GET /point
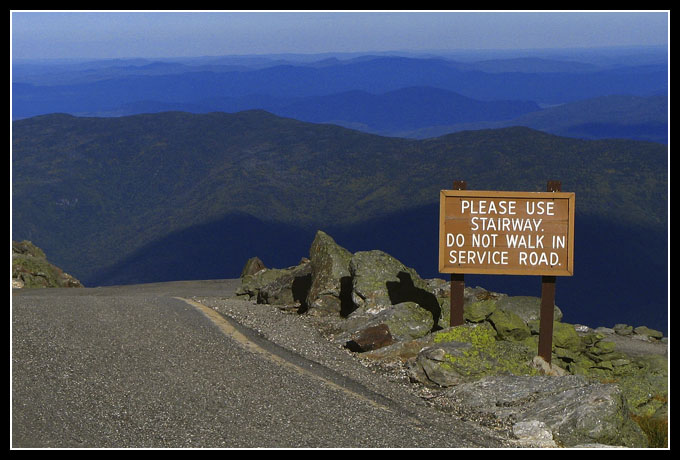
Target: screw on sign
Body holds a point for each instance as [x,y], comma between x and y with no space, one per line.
[509,233]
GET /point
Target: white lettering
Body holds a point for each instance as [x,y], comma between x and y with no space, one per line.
[505,224]
[484,240]
[539,258]
[558,241]
[455,239]
[524,241]
[478,257]
[550,209]
[501,207]
[541,207]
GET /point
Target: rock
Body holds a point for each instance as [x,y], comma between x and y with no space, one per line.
[468,352]
[436,364]
[479,310]
[438,287]
[290,288]
[533,433]
[388,313]
[400,351]
[644,330]
[331,283]
[251,284]
[31,269]
[645,384]
[252,266]
[278,286]
[405,321]
[546,368]
[575,411]
[509,325]
[370,338]
[526,307]
[379,281]
[602,347]
[565,336]
[623,329]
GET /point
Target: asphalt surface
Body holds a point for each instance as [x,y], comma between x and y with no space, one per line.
[146,367]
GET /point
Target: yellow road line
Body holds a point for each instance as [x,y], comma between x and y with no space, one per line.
[228,329]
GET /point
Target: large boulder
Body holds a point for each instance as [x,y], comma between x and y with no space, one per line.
[331,284]
[405,321]
[251,284]
[278,286]
[289,289]
[509,325]
[574,410]
[467,353]
[380,281]
[479,310]
[526,307]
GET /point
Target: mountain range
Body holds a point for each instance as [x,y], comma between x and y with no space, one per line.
[175,195]
[403,96]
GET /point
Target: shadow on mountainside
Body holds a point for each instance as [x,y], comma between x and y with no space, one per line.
[620,273]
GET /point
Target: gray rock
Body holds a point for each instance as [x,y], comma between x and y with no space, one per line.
[479,310]
[526,307]
[509,325]
[575,411]
[370,338]
[252,266]
[533,433]
[288,289]
[435,365]
[623,329]
[330,289]
[380,281]
[406,321]
[468,352]
[251,284]
[644,330]
[278,286]
[400,351]
[546,368]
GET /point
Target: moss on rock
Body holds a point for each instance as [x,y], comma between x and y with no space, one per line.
[509,326]
[470,352]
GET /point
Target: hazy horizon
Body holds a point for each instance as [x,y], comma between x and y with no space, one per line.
[73,35]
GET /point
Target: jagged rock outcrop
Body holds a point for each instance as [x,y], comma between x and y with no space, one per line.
[252,266]
[330,288]
[285,287]
[31,269]
[380,281]
[384,310]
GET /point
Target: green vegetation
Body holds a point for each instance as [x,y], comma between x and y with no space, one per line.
[30,269]
[656,430]
[91,191]
[487,355]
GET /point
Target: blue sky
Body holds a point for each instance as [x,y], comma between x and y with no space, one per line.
[116,34]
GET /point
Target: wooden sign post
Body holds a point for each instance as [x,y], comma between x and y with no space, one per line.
[507,233]
[457,298]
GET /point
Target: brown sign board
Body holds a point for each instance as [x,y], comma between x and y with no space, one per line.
[506,233]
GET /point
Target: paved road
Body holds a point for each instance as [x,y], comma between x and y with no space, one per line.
[141,367]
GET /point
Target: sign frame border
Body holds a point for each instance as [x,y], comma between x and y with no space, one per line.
[570,196]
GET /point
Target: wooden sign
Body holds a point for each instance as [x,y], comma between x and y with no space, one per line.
[506,233]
